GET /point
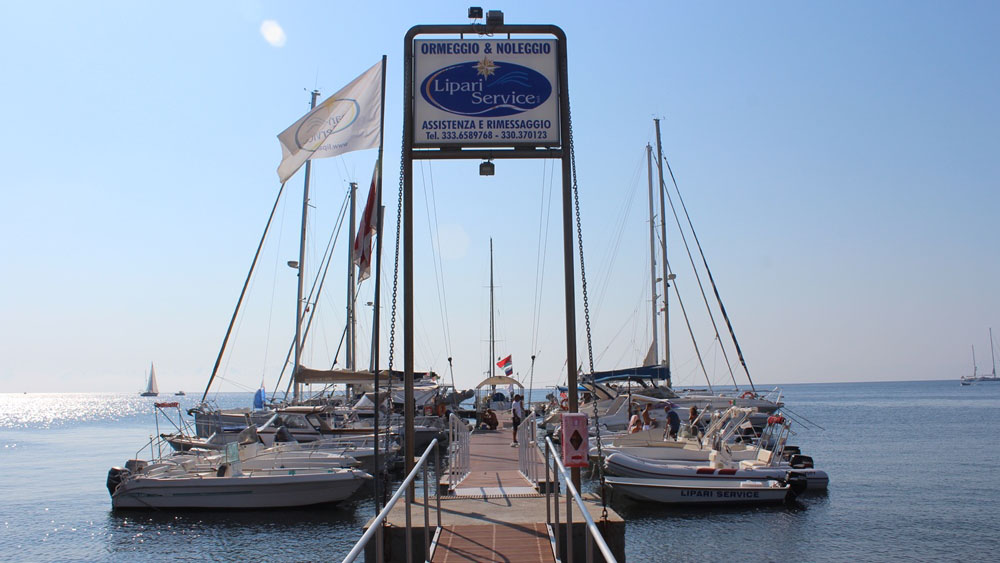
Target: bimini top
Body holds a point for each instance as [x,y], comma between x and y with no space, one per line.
[499,380]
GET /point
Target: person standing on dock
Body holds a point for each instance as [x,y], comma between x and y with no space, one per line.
[517,414]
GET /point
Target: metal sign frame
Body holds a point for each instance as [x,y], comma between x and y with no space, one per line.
[411,153]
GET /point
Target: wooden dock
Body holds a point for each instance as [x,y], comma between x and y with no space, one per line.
[495,514]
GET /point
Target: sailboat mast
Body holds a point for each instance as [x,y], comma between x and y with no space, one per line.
[301,269]
[492,340]
[974,369]
[351,323]
[652,252]
[663,236]
[992,355]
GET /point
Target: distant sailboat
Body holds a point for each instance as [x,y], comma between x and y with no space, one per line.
[151,389]
[992,377]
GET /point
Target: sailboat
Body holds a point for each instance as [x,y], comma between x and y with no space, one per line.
[992,377]
[151,388]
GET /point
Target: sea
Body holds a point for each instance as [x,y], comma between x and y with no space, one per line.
[913,476]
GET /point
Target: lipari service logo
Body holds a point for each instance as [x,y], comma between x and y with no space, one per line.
[486,88]
[320,126]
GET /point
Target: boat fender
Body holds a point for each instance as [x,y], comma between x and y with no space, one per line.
[776,419]
[801,462]
[115,477]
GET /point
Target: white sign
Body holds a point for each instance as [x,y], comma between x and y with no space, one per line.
[486,92]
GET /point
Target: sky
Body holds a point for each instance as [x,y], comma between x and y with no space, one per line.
[838,161]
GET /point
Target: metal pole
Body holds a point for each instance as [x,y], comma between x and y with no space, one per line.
[652,251]
[427,519]
[301,270]
[569,524]
[408,407]
[567,200]
[350,280]
[437,482]
[663,235]
[555,502]
[548,488]
[377,302]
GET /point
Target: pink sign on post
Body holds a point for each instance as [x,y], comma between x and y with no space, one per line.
[575,441]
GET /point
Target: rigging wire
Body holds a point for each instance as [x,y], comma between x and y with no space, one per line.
[544,216]
[711,279]
[694,342]
[315,289]
[613,251]
[697,276]
[433,229]
[246,283]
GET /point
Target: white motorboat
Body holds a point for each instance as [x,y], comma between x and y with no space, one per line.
[628,466]
[694,491]
[226,488]
[247,476]
[723,429]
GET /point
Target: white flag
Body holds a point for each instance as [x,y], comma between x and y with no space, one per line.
[346,121]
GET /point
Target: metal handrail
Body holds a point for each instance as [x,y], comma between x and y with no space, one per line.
[527,433]
[459,459]
[595,533]
[403,487]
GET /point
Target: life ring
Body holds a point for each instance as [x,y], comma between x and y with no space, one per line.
[747,395]
[564,404]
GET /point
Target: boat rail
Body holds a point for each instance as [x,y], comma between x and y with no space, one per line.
[375,528]
[572,495]
[459,463]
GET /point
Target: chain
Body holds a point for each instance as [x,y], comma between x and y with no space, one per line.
[586,316]
[395,267]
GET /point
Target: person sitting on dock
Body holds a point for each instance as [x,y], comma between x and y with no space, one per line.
[490,419]
[673,421]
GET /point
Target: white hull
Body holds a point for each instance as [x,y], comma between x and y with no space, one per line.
[679,491]
[627,466]
[252,490]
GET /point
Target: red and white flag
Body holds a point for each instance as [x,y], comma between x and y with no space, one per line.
[507,365]
[366,230]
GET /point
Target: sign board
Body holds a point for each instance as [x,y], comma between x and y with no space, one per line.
[486,92]
[575,441]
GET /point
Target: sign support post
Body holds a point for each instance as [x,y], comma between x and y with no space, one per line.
[488,98]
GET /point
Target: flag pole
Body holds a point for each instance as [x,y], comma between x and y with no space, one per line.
[378,287]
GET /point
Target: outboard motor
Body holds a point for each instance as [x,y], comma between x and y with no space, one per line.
[797,484]
[115,477]
[788,451]
[801,462]
[135,465]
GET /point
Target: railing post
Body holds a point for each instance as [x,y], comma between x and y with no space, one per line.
[555,503]
[437,483]
[548,487]
[569,523]
[427,519]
